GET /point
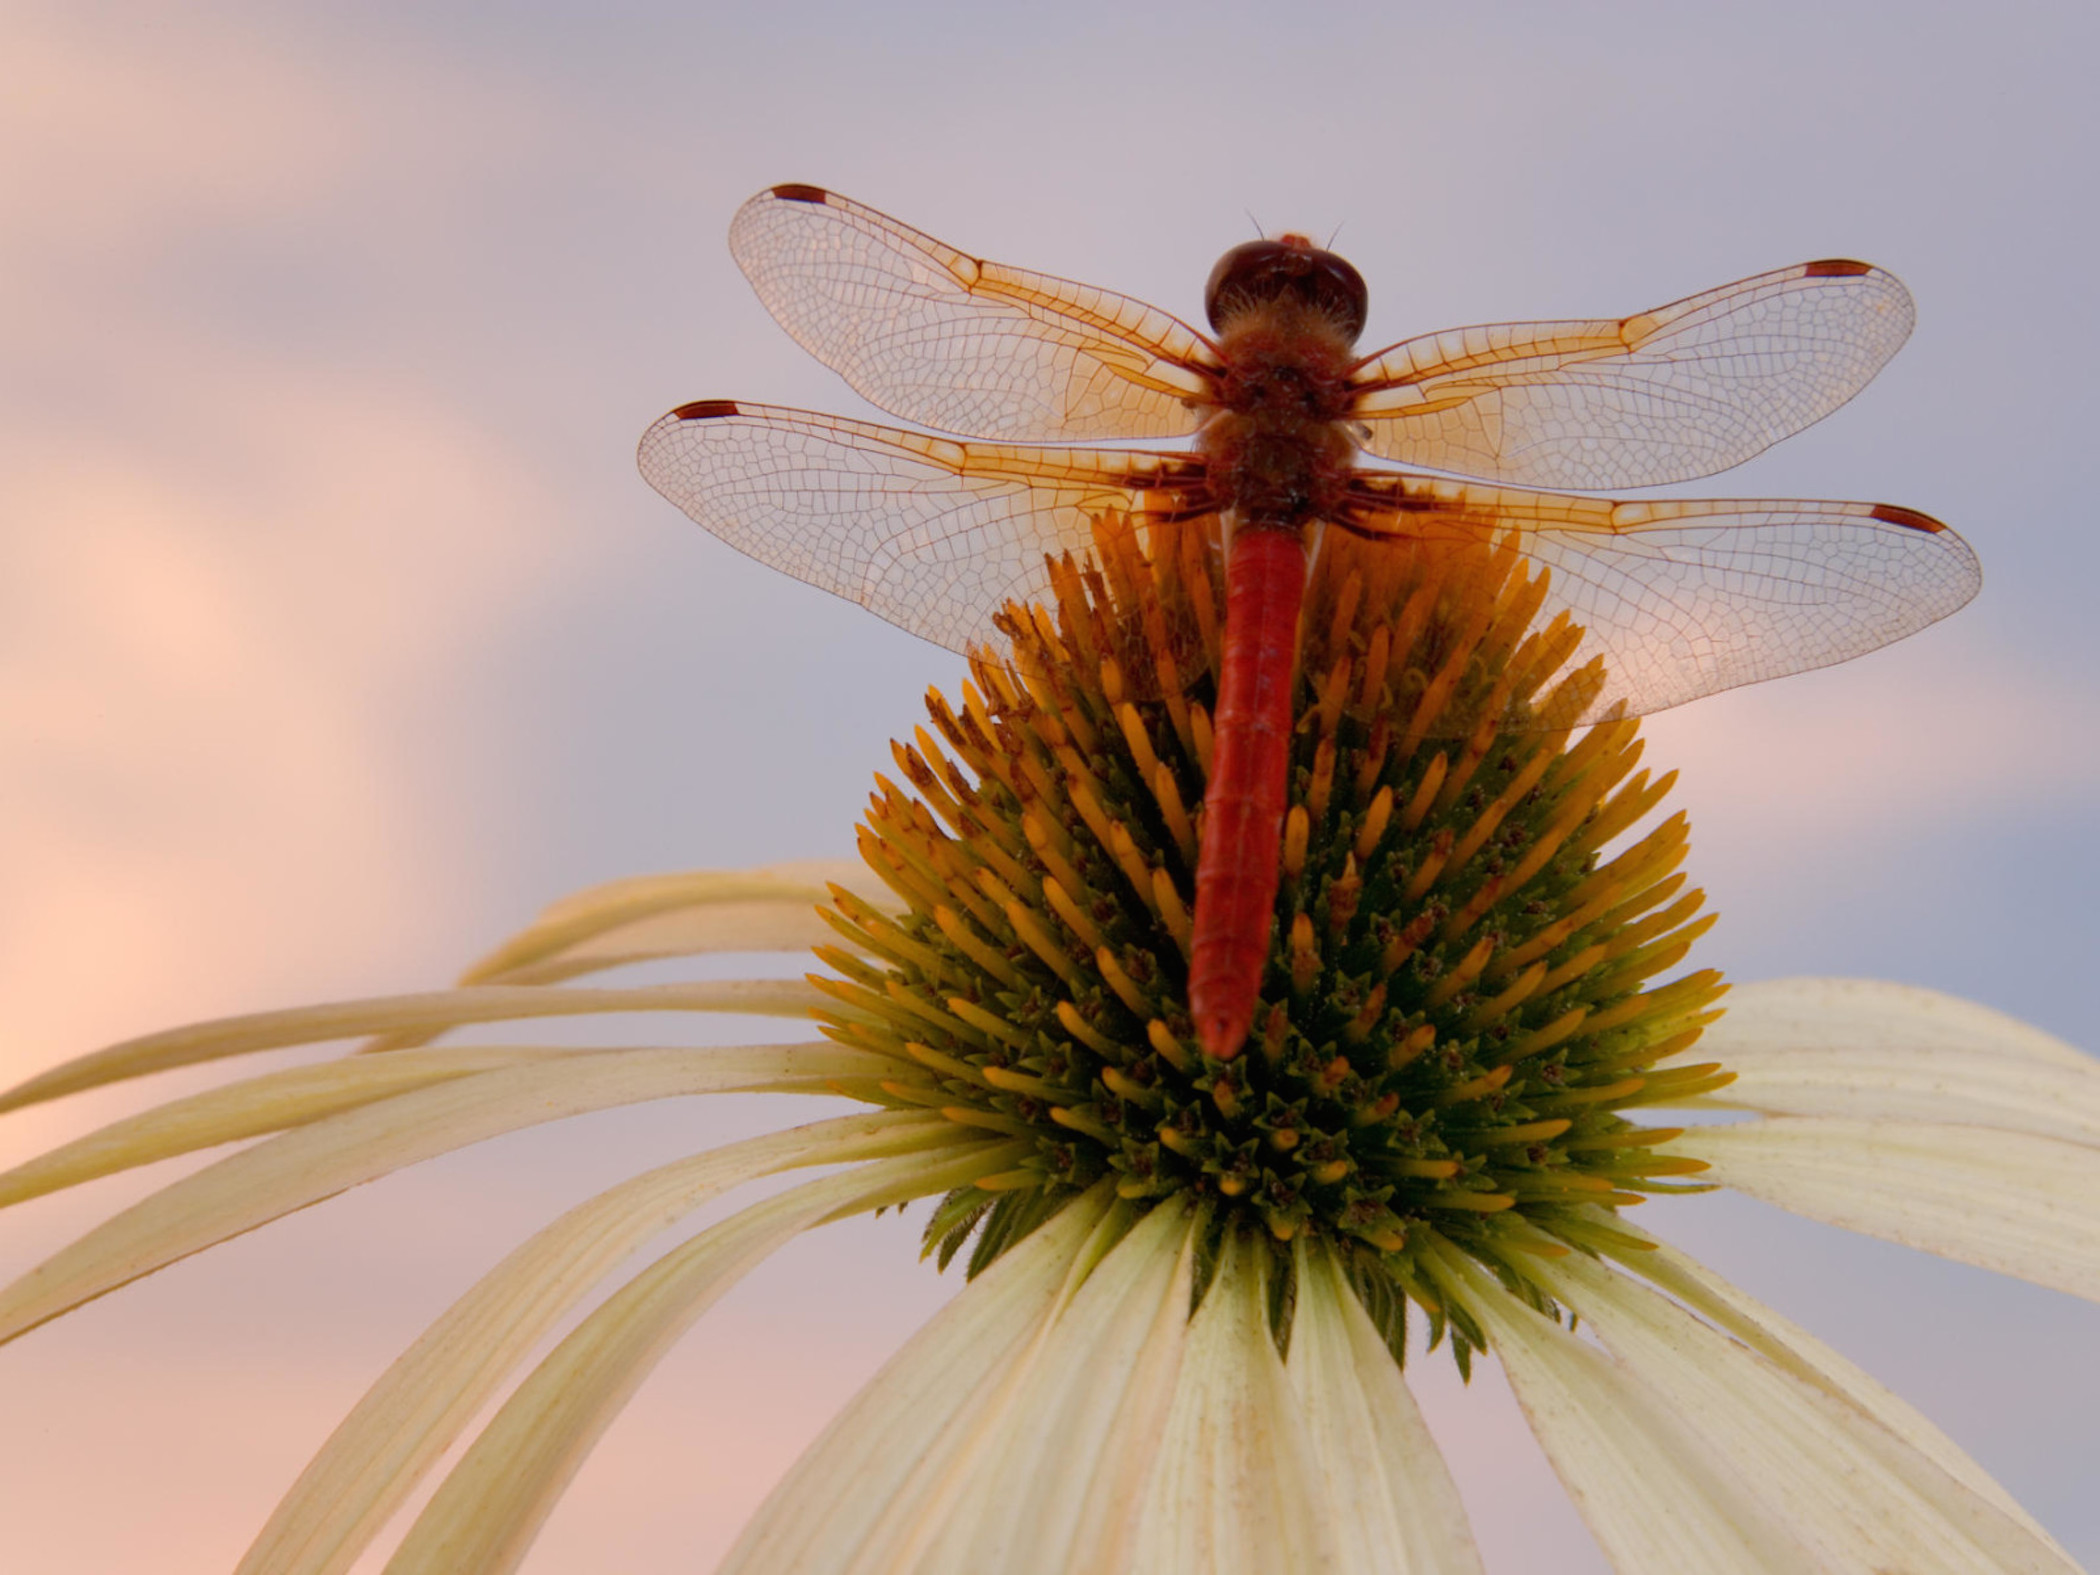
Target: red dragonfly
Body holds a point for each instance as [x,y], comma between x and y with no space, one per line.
[1680,598]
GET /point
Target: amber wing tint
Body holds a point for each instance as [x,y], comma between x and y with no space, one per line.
[935,336]
[1683,598]
[1667,395]
[1678,599]
[934,535]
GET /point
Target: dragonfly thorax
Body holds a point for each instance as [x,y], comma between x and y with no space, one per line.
[1275,469]
[1279,448]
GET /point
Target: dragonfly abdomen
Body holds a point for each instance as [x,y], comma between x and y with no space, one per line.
[1278,458]
[1243,806]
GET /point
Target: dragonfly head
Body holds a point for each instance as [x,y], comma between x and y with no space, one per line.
[1288,268]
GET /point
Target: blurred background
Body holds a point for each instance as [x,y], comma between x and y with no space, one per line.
[337,633]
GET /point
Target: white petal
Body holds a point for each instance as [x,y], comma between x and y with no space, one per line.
[317,1161]
[1874,1013]
[2028,1206]
[1787,1344]
[1237,1488]
[412,1415]
[485,1515]
[615,902]
[269,1103]
[1390,1496]
[948,1374]
[1868,1051]
[669,915]
[1056,1478]
[1657,1499]
[1865,1499]
[1108,1520]
[753,925]
[424,1015]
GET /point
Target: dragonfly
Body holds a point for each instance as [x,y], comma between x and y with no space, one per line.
[1680,598]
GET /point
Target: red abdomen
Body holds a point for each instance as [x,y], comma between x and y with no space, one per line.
[1243,806]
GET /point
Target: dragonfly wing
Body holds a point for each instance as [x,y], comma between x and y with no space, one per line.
[1687,597]
[1678,392]
[934,535]
[947,340]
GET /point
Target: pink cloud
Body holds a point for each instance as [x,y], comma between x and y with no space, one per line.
[1915,737]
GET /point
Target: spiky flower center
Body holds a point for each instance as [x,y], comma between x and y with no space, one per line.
[1456,1010]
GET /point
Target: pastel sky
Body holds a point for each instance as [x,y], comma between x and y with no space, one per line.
[337,632]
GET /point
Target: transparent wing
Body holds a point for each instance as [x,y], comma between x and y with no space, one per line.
[1683,598]
[935,536]
[960,344]
[1678,392]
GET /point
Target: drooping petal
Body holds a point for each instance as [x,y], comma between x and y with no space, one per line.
[949,1374]
[317,1161]
[1873,1013]
[408,1419]
[1864,1499]
[1656,1497]
[2019,1204]
[1391,1499]
[655,916]
[1868,1051]
[425,1014]
[1057,1480]
[1779,1340]
[486,1514]
[256,1105]
[1237,1488]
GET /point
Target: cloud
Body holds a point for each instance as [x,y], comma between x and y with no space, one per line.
[1880,750]
[247,567]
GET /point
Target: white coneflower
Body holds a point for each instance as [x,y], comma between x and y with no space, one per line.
[1191,1280]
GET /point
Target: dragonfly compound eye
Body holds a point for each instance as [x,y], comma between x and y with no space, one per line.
[1292,267]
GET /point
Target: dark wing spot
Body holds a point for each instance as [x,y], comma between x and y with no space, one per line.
[798,193]
[1834,268]
[1892,514]
[706,409]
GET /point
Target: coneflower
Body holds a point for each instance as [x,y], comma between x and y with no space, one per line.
[1192,1280]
